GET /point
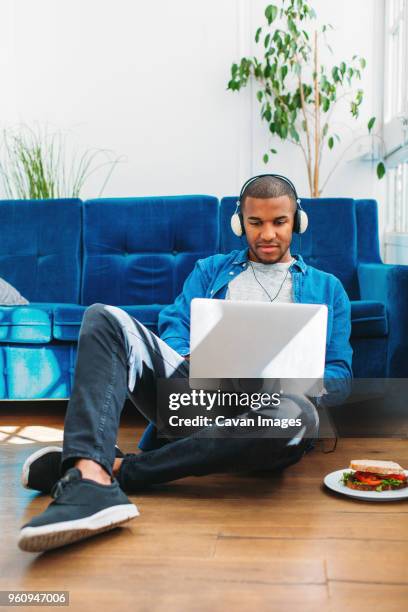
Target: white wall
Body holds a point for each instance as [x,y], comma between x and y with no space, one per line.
[147,79]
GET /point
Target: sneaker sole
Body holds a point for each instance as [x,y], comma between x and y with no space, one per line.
[46,537]
[30,460]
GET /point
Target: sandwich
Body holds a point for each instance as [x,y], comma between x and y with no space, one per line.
[369,475]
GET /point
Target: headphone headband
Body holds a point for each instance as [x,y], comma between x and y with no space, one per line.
[277,176]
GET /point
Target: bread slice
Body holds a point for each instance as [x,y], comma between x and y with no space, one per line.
[376,467]
[361,486]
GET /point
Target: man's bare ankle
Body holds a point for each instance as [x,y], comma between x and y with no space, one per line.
[116,466]
[93,471]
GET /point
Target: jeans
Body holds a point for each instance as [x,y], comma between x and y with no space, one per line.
[118,358]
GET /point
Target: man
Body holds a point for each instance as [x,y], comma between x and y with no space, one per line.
[118,357]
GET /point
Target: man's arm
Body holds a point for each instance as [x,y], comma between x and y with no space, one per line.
[174,320]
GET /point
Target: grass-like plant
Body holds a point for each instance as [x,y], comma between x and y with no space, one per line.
[36,163]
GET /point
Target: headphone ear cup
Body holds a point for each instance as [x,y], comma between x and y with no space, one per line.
[302,221]
[236,224]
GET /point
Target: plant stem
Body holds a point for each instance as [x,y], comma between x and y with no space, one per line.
[317,120]
[309,151]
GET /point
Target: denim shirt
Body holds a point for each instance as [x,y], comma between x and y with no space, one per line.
[210,278]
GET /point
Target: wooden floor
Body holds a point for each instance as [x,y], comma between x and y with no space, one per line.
[216,543]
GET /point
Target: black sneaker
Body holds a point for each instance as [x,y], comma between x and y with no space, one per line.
[42,469]
[81,508]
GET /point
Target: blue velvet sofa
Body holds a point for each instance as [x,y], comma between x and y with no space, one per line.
[64,255]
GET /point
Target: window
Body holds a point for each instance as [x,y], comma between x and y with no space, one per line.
[396,114]
[396,62]
[397,196]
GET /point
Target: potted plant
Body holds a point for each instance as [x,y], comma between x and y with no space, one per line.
[296,92]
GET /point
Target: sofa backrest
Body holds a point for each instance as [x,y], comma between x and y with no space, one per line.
[368,242]
[140,250]
[331,242]
[40,248]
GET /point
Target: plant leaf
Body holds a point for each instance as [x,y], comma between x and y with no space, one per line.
[283,131]
[336,74]
[370,124]
[380,170]
[265,158]
[294,133]
[330,142]
[271,13]
[258,34]
[283,72]
[268,114]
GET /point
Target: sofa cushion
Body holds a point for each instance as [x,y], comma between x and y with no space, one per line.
[32,371]
[369,357]
[39,322]
[140,250]
[68,317]
[368,319]
[40,248]
[26,324]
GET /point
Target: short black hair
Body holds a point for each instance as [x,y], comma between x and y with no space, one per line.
[268,187]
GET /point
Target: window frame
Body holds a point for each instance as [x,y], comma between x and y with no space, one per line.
[395,125]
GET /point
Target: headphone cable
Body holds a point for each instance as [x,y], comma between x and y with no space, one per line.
[261,285]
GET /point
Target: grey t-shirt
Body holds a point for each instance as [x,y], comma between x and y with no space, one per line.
[275,278]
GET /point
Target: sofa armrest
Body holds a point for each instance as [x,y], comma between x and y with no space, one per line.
[389,284]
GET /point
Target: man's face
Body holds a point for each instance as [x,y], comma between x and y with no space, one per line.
[268,226]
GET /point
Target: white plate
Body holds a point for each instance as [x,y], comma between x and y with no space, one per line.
[333,482]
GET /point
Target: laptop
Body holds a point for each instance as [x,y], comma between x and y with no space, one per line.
[257,340]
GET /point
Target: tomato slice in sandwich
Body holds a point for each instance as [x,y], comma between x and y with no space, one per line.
[397,476]
[368,478]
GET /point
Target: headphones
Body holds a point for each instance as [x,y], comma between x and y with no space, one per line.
[237,220]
